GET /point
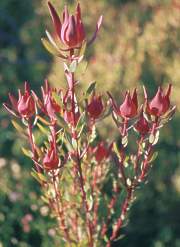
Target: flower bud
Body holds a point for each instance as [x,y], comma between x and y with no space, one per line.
[101,152]
[51,160]
[160,104]
[128,109]
[71,30]
[95,107]
[26,104]
[50,106]
[142,125]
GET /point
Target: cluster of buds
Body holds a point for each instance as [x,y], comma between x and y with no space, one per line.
[72,164]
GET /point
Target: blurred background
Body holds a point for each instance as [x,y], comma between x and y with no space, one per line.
[139,43]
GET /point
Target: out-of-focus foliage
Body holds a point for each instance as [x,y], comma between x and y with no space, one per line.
[138,44]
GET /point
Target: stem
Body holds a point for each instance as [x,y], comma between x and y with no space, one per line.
[60,211]
[145,166]
[123,213]
[85,204]
[33,146]
[78,163]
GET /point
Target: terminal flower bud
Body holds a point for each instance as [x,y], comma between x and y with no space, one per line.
[51,160]
[160,104]
[128,109]
[70,31]
[26,104]
[95,107]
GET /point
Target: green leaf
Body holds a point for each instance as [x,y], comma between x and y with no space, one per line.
[62,123]
[115,148]
[83,49]
[51,49]
[42,129]
[35,175]
[27,152]
[73,66]
[151,138]
[17,127]
[124,141]
[91,88]
[81,120]
[152,157]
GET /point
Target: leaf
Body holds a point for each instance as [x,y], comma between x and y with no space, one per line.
[151,138]
[42,129]
[152,157]
[51,39]
[124,141]
[27,152]
[115,148]
[83,49]
[91,88]
[73,66]
[42,177]
[51,49]
[17,126]
[45,199]
[62,123]
[81,120]
[43,120]
[34,174]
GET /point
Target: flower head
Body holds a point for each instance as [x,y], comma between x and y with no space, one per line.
[95,107]
[51,160]
[160,104]
[102,152]
[23,107]
[142,125]
[69,31]
[129,107]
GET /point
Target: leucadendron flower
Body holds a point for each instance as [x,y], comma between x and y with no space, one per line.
[51,159]
[95,107]
[160,104]
[129,107]
[24,107]
[69,32]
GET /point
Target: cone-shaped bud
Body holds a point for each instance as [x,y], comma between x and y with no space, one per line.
[51,160]
[102,152]
[142,125]
[71,30]
[129,107]
[95,107]
[26,104]
[50,106]
[160,104]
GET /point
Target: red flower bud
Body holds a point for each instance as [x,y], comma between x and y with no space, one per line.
[160,104]
[71,31]
[95,107]
[101,152]
[24,106]
[51,160]
[142,125]
[128,109]
[50,106]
